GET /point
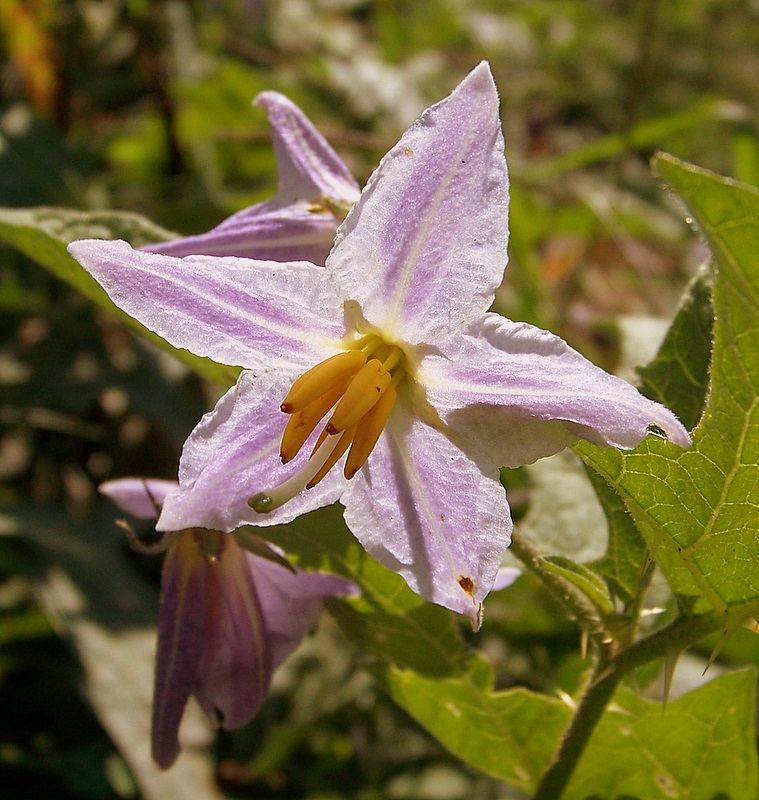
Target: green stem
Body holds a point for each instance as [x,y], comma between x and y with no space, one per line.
[589,710]
[606,676]
[674,638]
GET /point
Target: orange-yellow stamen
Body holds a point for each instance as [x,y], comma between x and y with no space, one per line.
[368,432]
[360,384]
[314,383]
[345,442]
[366,388]
[302,423]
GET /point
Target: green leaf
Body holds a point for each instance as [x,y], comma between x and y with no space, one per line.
[43,233]
[697,507]
[388,620]
[626,553]
[509,734]
[679,375]
[679,378]
[701,747]
[21,624]
[422,660]
[583,578]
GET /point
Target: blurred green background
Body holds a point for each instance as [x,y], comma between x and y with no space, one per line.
[146,106]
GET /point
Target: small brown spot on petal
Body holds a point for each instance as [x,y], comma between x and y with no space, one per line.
[467,584]
[408,151]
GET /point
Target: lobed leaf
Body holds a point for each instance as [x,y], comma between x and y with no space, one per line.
[679,375]
[700,747]
[423,662]
[626,553]
[510,734]
[388,620]
[697,507]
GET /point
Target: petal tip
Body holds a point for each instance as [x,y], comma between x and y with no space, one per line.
[269,98]
[95,249]
[680,436]
[81,246]
[165,751]
[481,79]
[665,423]
[141,497]
[475,615]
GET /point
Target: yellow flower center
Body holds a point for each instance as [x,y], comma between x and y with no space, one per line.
[359,386]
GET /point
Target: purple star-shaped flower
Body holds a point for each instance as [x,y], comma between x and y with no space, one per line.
[227,620]
[431,393]
[315,192]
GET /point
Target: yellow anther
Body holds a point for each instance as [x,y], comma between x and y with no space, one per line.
[302,423]
[368,432]
[335,456]
[360,384]
[362,393]
[321,378]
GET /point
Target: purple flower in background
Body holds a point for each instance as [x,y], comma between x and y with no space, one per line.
[429,393]
[315,192]
[227,620]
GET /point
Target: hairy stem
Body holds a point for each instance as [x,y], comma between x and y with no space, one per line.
[607,674]
[592,705]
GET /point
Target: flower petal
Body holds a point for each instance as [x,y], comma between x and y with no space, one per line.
[505,577]
[233,454]
[425,247]
[235,665]
[266,231]
[257,314]
[504,437]
[424,509]
[291,603]
[308,167]
[509,375]
[299,224]
[180,637]
[141,497]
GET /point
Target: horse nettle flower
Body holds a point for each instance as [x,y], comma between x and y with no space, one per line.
[431,393]
[227,620]
[316,191]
